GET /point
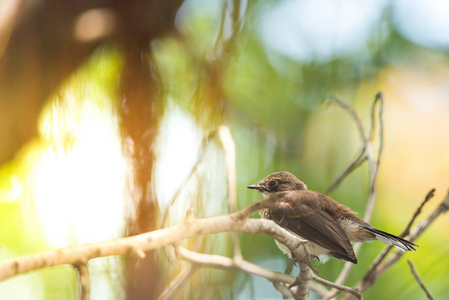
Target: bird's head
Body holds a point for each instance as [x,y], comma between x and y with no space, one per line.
[278,182]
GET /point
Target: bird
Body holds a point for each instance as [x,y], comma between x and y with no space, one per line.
[329,226]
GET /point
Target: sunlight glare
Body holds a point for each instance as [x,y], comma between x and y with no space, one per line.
[73,189]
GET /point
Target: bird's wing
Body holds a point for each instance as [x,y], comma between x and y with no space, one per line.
[309,221]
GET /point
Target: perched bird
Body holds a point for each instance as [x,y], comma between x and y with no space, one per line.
[329,226]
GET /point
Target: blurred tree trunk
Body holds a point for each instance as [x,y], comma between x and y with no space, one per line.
[141,109]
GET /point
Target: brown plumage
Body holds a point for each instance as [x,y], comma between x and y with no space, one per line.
[329,226]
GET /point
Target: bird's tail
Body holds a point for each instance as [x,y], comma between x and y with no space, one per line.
[390,239]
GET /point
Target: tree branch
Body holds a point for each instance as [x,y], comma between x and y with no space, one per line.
[366,154]
[84,280]
[377,270]
[352,114]
[418,211]
[137,245]
[380,258]
[303,281]
[337,286]
[221,262]
[354,165]
[418,279]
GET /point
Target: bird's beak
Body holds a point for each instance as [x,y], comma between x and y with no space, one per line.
[255,187]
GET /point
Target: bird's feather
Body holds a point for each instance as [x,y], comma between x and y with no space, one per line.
[318,227]
[391,239]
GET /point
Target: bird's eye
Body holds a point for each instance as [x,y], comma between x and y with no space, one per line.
[272,183]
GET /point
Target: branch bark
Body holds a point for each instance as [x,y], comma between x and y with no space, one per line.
[366,154]
[137,245]
[84,280]
[377,270]
[418,279]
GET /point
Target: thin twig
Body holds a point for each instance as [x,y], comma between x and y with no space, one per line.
[418,279]
[229,149]
[365,140]
[344,273]
[378,100]
[374,163]
[225,263]
[84,280]
[381,257]
[353,115]
[338,286]
[222,262]
[375,272]
[354,165]
[281,288]
[178,282]
[418,211]
[366,154]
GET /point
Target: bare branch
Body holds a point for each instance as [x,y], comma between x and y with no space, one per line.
[237,222]
[378,100]
[365,154]
[303,280]
[418,279]
[343,275]
[284,290]
[418,211]
[229,148]
[84,280]
[374,163]
[354,165]
[221,262]
[377,270]
[381,257]
[337,286]
[353,115]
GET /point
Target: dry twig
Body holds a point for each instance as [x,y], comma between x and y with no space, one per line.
[418,211]
[340,287]
[366,154]
[381,257]
[418,279]
[377,270]
[237,221]
[221,262]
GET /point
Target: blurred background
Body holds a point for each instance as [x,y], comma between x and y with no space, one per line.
[107,115]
